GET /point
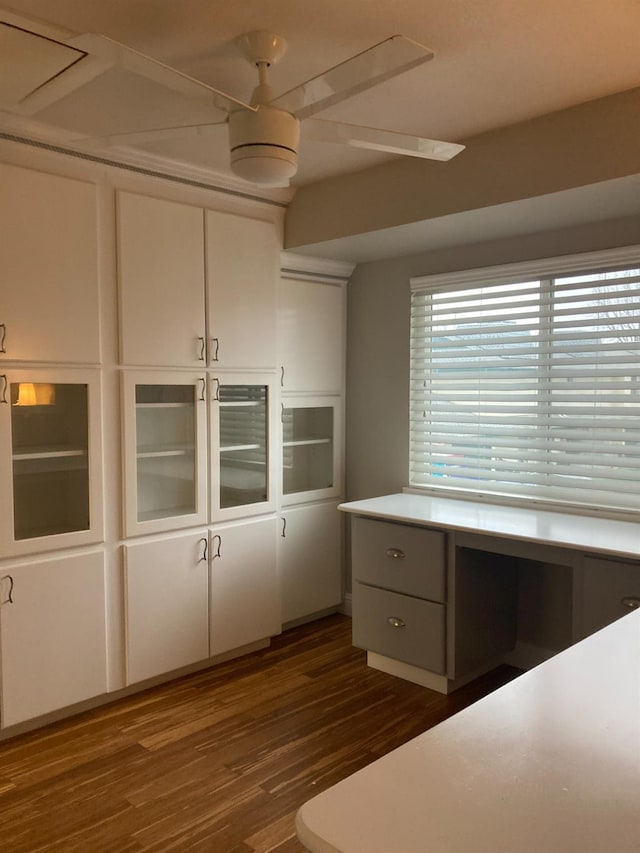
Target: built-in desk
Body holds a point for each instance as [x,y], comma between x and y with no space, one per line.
[444,589]
[550,763]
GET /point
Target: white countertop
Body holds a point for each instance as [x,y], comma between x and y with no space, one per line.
[550,763]
[582,532]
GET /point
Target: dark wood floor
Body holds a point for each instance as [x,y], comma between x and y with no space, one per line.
[218,761]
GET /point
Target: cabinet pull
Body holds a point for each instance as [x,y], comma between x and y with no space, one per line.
[216,393]
[631,602]
[284,528]
[396,622]
[282,375]
[201,355]
[3,336]
[217,545]
[203,388]
[215,346]
[395,553]
[205,549]
[5,383]
[9,598]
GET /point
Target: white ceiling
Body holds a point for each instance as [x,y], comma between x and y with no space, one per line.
[497,61]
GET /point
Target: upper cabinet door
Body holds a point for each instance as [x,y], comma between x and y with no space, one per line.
[244,445]
[49,261]
[311,336]
[164,442]
[50,459]
[242,274]
[161,282]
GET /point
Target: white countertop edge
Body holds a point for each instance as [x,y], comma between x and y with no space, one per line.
[606,536]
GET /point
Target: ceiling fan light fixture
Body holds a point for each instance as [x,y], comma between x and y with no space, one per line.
[264,145]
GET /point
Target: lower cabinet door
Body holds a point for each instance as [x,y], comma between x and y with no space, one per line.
[310,559]
[244,590]
[167,621]
[399,626]
[53,646]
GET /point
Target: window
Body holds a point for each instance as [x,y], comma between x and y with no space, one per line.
[525,381]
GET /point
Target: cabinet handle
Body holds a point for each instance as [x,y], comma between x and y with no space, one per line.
[395,553]
[205,549]
[631,602]
[218,544]
[282,375]
[201,355]
[215,344]
[284,528]
[9,598]
[396,622]
[3,336]
[5,383]
[203,388]
[216,393]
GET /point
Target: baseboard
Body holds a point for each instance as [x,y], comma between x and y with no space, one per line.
[346,607]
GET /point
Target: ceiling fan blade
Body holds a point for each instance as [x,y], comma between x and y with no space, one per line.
[363,71]
[156,135]
[117,54]
[380,140]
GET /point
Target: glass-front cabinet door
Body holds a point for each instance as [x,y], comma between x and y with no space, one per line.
[164,450]
[243,445]
[311,442]
[51,476]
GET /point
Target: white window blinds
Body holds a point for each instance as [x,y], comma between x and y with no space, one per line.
[529,387]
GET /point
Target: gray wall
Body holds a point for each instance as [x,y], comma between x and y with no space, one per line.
[378,300]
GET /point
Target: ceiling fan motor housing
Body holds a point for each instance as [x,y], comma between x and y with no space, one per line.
[264,145]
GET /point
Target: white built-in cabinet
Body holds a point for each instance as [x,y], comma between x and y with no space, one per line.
[230,411]
[244,591]
[50,459]
[311,328]
[242,274]
[167,614]
[53,648]
[49,308]
[165,450]
[310,558]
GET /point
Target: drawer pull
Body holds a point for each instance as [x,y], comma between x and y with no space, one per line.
[631,602]
[395,622]
[395,553]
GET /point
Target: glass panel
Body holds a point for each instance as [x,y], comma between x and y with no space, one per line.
[307,451]
[243,444]
[50,452]
[165,450]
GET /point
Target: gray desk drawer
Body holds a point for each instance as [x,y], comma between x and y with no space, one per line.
[399,557]
[399,626]
[610,590]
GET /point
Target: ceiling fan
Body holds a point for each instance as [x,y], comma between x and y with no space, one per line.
[264,133]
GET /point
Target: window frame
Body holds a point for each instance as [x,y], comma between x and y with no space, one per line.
[542,269]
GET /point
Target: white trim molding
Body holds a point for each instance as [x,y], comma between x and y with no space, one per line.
[293,265]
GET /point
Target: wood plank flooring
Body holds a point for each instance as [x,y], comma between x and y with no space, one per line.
[217,761]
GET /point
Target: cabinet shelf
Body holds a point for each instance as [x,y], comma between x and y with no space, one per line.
[233,447]
[244,404]
[48,453]
[157,452]
[306,441]
[183,405]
